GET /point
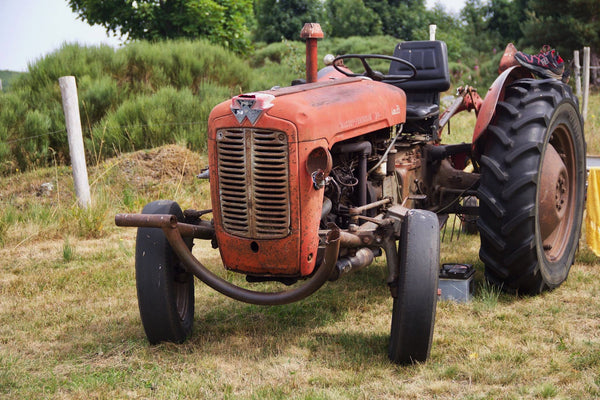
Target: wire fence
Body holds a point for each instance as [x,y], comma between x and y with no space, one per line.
[123,127]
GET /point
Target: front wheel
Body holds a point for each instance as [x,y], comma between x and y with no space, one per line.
[413,313]
[532,187]
[165,290]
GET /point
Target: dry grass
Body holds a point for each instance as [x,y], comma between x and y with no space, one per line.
[70,329]
[592,126]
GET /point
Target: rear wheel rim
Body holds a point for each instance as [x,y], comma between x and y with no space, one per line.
[557,194]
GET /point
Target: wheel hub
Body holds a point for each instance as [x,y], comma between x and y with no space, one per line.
[560,196]
[553,190]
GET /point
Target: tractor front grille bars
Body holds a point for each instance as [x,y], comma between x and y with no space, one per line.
[253,182]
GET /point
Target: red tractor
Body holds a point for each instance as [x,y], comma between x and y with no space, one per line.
[311,181]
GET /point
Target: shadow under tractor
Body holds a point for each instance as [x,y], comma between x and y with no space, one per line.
[312,181]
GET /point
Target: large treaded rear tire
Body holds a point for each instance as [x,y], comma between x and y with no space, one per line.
[165,290]
[532,187]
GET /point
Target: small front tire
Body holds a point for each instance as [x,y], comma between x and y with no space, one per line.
[165,290]
[413,314]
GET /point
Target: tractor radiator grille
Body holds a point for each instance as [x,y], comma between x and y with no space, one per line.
[253,183]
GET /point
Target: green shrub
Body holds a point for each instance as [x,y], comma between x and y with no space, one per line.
[7,77]
[97,97]
[68,251]
[145,67]
[276,52]
[147,121]
[70,59]
[459,72]
[90,221]
[359,45]
[34,152]
[144,94]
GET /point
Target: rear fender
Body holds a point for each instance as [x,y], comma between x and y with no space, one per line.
[488,108]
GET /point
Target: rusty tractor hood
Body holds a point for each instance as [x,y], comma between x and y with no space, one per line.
[335,110]
[262,148]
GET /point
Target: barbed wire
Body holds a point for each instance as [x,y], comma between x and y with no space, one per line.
[35,136]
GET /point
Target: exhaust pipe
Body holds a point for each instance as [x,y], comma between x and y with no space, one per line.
[311,32]
[362,258]
[168,223]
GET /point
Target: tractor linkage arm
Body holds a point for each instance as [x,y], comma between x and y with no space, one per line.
[468,99]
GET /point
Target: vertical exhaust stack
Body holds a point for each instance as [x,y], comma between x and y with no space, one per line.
[311,32]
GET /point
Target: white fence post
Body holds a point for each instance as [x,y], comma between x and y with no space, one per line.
[577,73]
[432,29]
[586,81]
[68,89]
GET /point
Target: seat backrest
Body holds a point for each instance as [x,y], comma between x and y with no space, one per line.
[430,58]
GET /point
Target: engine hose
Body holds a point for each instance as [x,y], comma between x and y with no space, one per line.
[397,132]
[249,296]
[365,149]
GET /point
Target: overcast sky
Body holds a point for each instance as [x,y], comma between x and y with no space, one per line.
[30,29]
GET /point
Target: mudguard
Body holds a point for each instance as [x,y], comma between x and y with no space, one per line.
[493,96]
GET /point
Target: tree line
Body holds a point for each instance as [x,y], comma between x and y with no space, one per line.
[238,24]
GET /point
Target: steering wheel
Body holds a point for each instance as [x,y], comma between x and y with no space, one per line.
[373,74]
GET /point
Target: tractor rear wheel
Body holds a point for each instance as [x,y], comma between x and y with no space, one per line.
[532,187]
[165,290]
[413,314]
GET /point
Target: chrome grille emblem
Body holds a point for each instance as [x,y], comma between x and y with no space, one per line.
[245,110]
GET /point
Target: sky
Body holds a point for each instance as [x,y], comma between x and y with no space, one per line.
[31,29]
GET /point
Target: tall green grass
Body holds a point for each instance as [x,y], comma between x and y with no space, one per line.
[142,95]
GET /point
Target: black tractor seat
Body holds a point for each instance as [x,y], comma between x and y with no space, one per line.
[416,111]
[430,57]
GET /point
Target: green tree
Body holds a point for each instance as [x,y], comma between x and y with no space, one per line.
[450,30]
[404,19]
[284,19]
[352,18]
[506,18]
[224,22]
[476,15]
[566,24]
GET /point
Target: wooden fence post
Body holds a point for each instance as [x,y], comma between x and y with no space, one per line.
[577,71]
[432,29]
[586,81]
[68,90]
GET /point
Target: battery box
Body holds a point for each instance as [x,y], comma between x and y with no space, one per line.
[456,282]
